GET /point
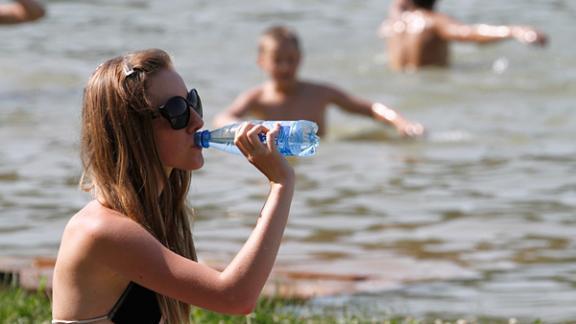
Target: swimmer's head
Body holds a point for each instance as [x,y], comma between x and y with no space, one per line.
[424,4]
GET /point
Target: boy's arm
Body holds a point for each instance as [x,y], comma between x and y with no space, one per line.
[239,108]
[21,11]
[377,111]
[450,29]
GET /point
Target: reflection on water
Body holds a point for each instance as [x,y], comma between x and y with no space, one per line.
[475,219]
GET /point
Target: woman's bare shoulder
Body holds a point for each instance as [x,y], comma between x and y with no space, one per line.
[93,216]
[96,222]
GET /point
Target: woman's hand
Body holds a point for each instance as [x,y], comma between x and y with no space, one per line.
[264,156]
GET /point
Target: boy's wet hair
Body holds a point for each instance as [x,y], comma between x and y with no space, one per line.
[426,4]
[279,34]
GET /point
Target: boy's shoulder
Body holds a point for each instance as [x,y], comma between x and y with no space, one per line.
[265,88]
[321,86]
[252,94]
[322,89]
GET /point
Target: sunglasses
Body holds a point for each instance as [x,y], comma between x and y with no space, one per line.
[177,109]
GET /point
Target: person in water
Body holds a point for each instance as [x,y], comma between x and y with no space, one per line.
[418,36]
[128,255]
[285,97]
[21,11]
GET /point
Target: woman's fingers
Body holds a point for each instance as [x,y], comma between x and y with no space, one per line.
[264,156]
[248,139]
[254,137]
[271,137]
[240,138]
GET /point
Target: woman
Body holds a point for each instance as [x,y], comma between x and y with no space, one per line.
[128,256]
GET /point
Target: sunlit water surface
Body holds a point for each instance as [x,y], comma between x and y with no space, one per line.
[477,219]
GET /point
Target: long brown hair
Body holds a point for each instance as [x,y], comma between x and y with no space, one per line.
[121,163]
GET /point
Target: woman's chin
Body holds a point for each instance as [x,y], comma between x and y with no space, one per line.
[189,165]
[196,164]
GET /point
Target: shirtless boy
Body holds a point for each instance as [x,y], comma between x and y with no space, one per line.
[418,36]
[284,97]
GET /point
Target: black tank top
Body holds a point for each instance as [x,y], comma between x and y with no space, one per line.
[136,305]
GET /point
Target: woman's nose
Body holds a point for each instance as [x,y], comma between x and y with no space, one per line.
[196,122]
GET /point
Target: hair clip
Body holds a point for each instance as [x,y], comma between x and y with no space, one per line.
[128,71]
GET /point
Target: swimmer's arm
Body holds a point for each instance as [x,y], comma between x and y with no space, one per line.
[376,111]
[21,11]
[451,29]
[239,108]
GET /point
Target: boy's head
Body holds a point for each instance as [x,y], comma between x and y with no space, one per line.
[276,36]
[424,4]
[279,53]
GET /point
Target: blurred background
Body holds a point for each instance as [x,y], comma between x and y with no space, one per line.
[476,219]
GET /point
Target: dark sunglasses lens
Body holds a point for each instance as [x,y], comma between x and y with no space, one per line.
[195,102]
[177,112]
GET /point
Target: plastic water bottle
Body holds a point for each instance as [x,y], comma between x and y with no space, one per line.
[296,138]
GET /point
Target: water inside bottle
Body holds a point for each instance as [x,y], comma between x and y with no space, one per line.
[296,138]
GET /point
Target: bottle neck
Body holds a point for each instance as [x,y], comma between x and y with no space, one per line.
[202,139]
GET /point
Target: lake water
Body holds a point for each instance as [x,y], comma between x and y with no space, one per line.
[477,219]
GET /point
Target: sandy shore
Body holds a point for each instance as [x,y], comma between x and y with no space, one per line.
[313,279]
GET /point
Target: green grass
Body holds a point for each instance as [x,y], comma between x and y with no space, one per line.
[22,307]
[18,306]
[275,310]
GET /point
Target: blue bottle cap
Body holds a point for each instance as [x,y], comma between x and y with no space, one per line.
[202,138]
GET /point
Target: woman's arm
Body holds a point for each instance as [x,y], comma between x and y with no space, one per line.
[132,252]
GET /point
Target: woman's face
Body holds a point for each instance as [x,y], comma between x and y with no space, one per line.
[176,147]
